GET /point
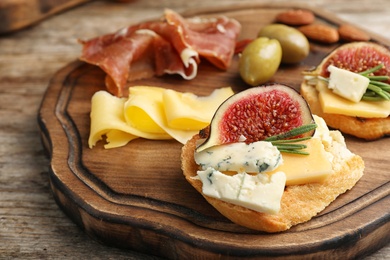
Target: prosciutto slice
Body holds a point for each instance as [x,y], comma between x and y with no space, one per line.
[173,45]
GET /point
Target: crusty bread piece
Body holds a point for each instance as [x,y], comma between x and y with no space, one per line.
[365,128]
[299,202]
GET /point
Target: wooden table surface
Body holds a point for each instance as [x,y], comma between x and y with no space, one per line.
[31,224]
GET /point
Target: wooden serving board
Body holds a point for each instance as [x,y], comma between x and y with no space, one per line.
[136,196]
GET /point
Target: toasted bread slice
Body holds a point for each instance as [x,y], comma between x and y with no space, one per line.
[365,128]
[299,202]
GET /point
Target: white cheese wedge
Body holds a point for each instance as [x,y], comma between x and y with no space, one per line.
[261,193]
[347,84]
[334,104]
[255,157]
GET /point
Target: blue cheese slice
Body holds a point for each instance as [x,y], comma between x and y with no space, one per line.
[255,157]
[261,192]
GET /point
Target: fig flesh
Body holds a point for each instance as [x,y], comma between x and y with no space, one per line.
[255,114]
[356,57]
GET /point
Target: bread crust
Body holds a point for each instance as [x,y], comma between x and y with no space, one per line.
[366,128]
[299,202]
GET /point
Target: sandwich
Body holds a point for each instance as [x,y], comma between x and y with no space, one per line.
[355,97]
[275,187]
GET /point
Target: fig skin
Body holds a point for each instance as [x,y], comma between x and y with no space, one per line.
[355,57]
[257,120]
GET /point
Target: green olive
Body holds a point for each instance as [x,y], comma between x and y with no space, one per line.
[295,46]
[260,60]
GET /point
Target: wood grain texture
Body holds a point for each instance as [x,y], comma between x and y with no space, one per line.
[136,197]
[31,224]
[16,15]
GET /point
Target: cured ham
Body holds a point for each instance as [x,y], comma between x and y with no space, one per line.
[171,46]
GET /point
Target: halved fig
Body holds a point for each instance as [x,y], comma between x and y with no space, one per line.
[356,57]
[255,114]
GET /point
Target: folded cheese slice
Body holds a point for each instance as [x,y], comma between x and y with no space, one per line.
[107,118]
[147,114]
[192,111]
[145,110]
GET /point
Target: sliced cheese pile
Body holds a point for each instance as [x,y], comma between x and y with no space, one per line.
[253,188]
[152,113]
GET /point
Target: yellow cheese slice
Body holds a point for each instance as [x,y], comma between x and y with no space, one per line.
[117,138]
[143,107]
[301,169]
[107,118]
[148,103]
[143,115]
[334,104]
[187,111]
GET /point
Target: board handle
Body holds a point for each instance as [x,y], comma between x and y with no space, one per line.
[17,15]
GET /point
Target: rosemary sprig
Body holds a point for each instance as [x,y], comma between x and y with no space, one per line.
[383,85]
[376,90]
[293,132]
[372,70]
[287,145]
[378,78]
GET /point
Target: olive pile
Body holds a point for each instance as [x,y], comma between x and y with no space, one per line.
[276,44]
